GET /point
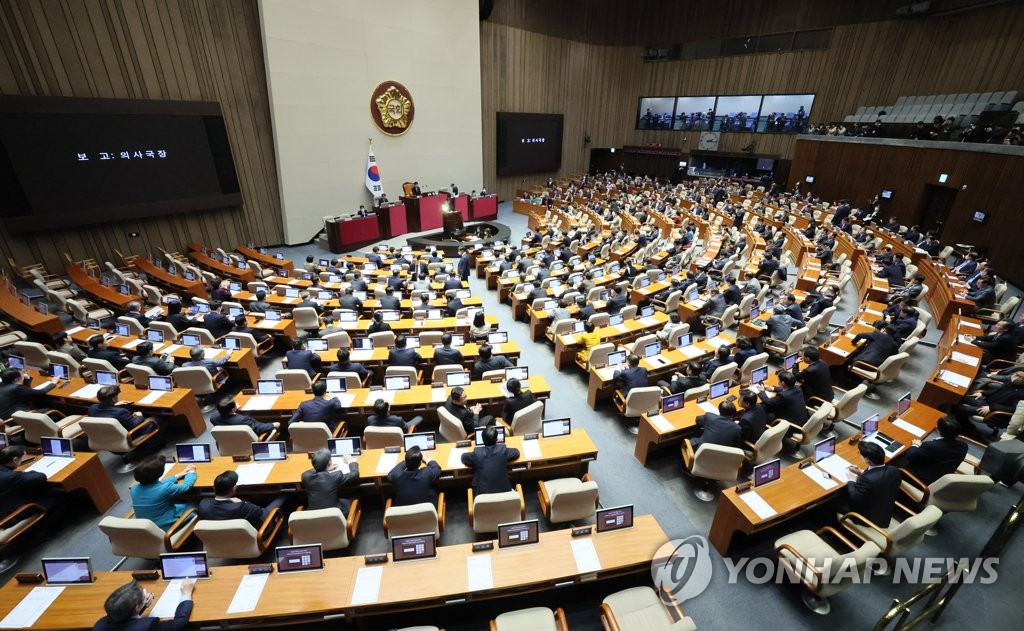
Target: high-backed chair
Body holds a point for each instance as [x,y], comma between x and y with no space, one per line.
[641,343]
[140,373]
[294,379]
[568,499]
[381,437]
[792,344]
[487,510]
[327,526]
[414,519]
[532,619]
[886,372]
[205,337]
[750,365]
[247,340]
[17,523]
[598,355]
[199,380]
[728,319]
[141,538]
[637,402]
[641,609]
[57,357]
[34,353]
[725,371]
[237,440]
[414,375]
[382,339]
[451,428]
[803,435]
[134,326]
[306,318]
[430,338]
[107,434]
[823,569]
[83,311]
[528,420]
[352,381]
[38,425]
[170,333]
[953,492]
[846,405]
[440,373]
[341,339]
[768,445]
[896,537]
[309,437]
[236,538]
[711,462]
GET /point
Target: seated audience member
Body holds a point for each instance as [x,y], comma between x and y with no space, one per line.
[516,400]
[242,326]
[480,329]
[325,480]
[344,364]
[382,417]
[227,414]
[322,408]
[932,459]
[401,355]
[413,484]
[217,321]
[18,488]
[999,344]
[488,361]
[994,397]
[718,429]
[145,357]
[154,498]
[224,505]
[873,491]
[98,349]
[16,395]
[135,313]
[668,331]
[125,605]
[180,321]
[445,354]
[260,305]
[689,378]
[788,402]
[468,416]
[63,344]
[814,378]
[744,350]
[109,407]
[197,357]
[301,358]
[780,325]
[753,419]
[721,359]
[618,300]
[489,463]
[634,376]
[377,324]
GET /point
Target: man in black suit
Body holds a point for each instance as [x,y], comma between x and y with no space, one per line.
[767,266]
[490,464]
[349,301]
[217,322]
[488,361]
[814,379]
[319,409]
[873,491]
[135,312]
[389,300]
[145,357]
[412,484]
[323,482]
[259,305]
[401,355]
[358,283]
[109,407]
[586,308]
[224,505]
[468,416]
[999,344]
[984,296]
[176,318]
[445,354]
[416,189]
[722,357]
[517,399]
[242,326]
[788,402]
[732,293]
[842,211]
[931,460]
[453,306]
[880,345]
[994,397]
[463,265]
[618,300]
[345,365]
[300,358]
[227,414]
[197,358]
[98,349]
[689,378]
[17,488]
[382,417]
[754,418]
[632,377]
[793,309]
[718,429]
[307,301]
[125,605]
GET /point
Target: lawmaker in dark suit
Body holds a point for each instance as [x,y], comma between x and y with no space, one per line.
[227,414]
[135,313]
[319,409]
[933,459]
[1000,344]
[108,407]
[98,349]
[754,418]
[994,397]
[325,480]
[873,492]
[468,416]
[224,505]
[490,464]
[401,355]
[382,417]
[176,318]
[300,358]
[617,301]
[880,346]
[788,402]
[463,266]
[217,322]
[146,357]
[445,354]
[15,395]
[815,380]
[20,487]
[125,605]
[345,365]
[412,484]
[718,429]
[632,377]
[489,361]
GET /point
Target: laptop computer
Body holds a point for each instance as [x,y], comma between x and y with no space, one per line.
[122,329]
[759,375]
[16,362]
[499,337]
[824,448]
[651,350]
[336,384]
[522,373]
[60,371]
[712,331]
[790,361]
[155,336]
[190,339]
[316,345]
[232,343]
[616,358]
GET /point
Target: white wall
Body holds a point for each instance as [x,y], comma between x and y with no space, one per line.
[325,57]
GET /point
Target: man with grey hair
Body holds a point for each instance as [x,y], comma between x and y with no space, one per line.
[135,312]
[323,482]
[197,357]
[125,605]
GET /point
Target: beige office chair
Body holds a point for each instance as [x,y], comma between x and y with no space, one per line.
[341,339]
[696,392]
[34,354]
[487,510]
[352,381]
[246,340]
[528,420]
[404,371]
[306,319]
[750,365]
[236,538]
[294,379]
[823,569]
[561,327]
[382,339]
[803,435]
[723,372]
[709,463]
[568,499]
[309,437]
[671,304]
[728,319]
[205,337]
[532,619]
[135,327]
[846,405]
[898,536]
[83,311]
[451,428]
[381,437]
[107,434]
[641,609]
[768,445]
[57,357]
[327,526]
[414,519]
[140,373]
[628,312]
[888,371]
[637,402]
[170,333]
[430,338]
[141,538]
[14,525]
[441,372]
[237,440]
[39,425]
[9,337]
[199,381]
[641,343]
[953,492]
[791,345]
[597,356]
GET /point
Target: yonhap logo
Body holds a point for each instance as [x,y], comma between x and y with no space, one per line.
[682,568]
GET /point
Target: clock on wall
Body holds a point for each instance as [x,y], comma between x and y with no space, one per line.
[709,140]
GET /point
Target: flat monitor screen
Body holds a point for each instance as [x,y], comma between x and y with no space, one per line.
[67,571]
[903,404]
[324,295]
[397,382]
[684,340]
[189,275]
[316,345]
[234,287]
[767,472]
[522,373]
[234,312]
[413,547]
[579,326]
[412,342]
[479,438]
[16,362]
[759,375]
[790,361]
[647,312]
[499,337]
[122,329]
[615,320]
[518,533]
[190,339]
[269,451]
[424,440]
[362,344]
[4,442]
[184,565]
[291,292]
[348,446]
[712,331]
[719,389]
[434,314]
[304,558]
[272,315]
[336,384]
[160,384]
[389,315]
[232,343]
[60,371]
[528,143]
[193,453]
[693,296]
[644,281]
[615,518]
[652,349]
[769,304]
[462,294]
[886,194]
[453,379]
[202,307]
[552,428]
[754,313]
[154,335]
[269,386]
[824,448]
[348,316]
[458,339]
[673,402]
[870,425]
[616,358]
[53,446]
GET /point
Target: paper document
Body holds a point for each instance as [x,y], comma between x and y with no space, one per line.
[169,600]
[151,398]
[248,593]
[87,392]
[837,466]
[569,340]
[167,468]
[757,504]
[910,428]
[478,570]
[963,339]
[621,328]
[455,457]
[367,586]
[132,343]
[387,462]
[345,399]
[261,402]
[586,555]
[361,356]
[691,351]
[31,607]
[213,353]
[698,304]
[819,476]
[838,351]
[531,449]
[660,423]
[438,395]
[74,329]
[172,348]
[254,473]
[49,465]
[387,395]
[648,321]
[955,379]
[717,341]
[708,407]
[964,358]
